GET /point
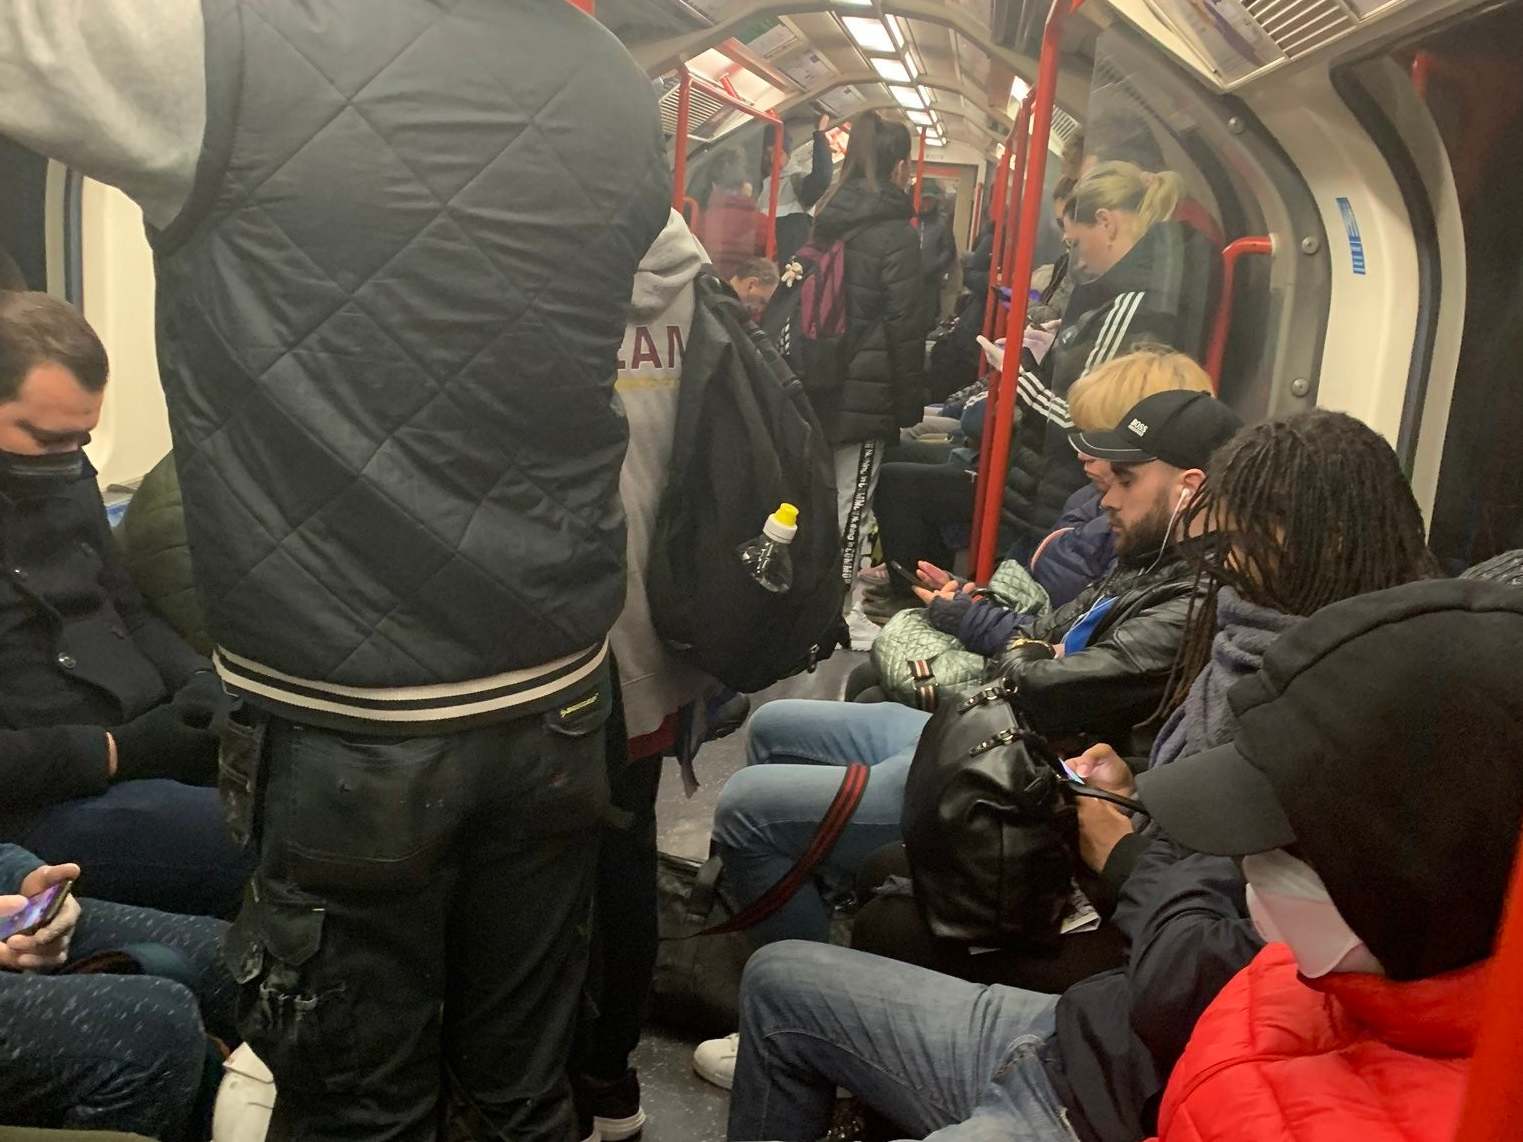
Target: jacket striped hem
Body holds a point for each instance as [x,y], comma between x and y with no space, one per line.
[405,708]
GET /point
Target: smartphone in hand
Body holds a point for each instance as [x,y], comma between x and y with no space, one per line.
[38,912]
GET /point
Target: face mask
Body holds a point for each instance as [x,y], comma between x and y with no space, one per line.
[1290,905]
[48,466]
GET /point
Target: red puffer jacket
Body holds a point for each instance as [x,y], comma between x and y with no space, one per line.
[1346,1058]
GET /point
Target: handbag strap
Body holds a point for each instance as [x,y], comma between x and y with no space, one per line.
[832,825]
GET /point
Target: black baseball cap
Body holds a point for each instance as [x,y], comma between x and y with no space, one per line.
[1383,739]
[1179,427]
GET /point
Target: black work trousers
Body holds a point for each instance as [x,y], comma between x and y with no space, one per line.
[626,935]
[416,935]
[914,504]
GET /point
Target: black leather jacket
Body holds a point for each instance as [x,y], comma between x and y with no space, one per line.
[1111,690]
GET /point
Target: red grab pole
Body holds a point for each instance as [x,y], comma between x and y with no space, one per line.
[1494,1092]
[1021,135]
[997,430]
[777,174]
[679,155]
[1221,327]
[1002,258]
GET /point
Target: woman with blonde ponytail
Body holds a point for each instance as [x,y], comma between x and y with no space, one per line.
[1143,280]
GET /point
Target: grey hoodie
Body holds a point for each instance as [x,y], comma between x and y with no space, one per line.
[114,88]
[650,363]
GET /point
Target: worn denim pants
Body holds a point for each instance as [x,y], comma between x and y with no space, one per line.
[947,1060]
[116,1052]
[769,811]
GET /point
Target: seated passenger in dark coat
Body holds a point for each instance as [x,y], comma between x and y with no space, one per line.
[108,720]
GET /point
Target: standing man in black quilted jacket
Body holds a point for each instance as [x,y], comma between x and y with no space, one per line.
[384,232]
[886,317]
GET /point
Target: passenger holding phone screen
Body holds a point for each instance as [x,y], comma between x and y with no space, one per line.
[124,1046]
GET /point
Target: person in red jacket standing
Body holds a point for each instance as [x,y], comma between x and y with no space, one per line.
[1373,795]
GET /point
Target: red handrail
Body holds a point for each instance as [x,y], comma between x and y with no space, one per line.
[1221,327]
[1011,174]
[588,6]
[1020,134]
[1422,70]
[999,420]
[777,177]
[679,154]
[687,82]
[1494,1094]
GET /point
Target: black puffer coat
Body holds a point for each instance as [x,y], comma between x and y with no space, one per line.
[1161,293]
[884,389]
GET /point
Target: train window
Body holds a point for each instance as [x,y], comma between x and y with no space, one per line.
[23,212]
[1467,76]
[1236,184]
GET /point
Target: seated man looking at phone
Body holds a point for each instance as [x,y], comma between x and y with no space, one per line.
[108,742]
[106,1050]
[1096,670]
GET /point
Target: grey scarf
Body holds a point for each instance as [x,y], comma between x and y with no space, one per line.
[1244,634]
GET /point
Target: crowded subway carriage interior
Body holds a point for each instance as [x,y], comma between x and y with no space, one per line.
[761,570]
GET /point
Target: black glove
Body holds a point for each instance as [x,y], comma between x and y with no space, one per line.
[946,614]
[203,703]
[161,744]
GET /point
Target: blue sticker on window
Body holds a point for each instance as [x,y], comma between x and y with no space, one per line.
[1355,242]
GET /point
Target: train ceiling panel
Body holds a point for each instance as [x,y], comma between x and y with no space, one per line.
[643,21]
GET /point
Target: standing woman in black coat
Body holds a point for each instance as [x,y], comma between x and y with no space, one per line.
[884,386]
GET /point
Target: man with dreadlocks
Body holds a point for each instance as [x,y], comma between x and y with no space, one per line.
[1298,514]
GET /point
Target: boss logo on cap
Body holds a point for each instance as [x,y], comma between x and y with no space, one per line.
[1138,427]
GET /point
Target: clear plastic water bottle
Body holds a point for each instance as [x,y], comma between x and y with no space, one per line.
[767,557]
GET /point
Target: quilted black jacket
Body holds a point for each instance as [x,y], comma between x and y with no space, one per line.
[389,321]
[886,323]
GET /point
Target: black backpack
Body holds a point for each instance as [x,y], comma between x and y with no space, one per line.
[989,825]
[746,440]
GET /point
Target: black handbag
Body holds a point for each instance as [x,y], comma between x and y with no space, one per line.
[989,825]
[704,945]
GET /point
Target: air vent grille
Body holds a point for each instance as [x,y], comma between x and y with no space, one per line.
[1299,26]
[702,108]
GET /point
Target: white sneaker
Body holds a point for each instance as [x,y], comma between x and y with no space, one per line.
[714,1060]
[864,632]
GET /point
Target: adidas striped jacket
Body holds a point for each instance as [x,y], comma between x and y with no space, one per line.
[1161,293]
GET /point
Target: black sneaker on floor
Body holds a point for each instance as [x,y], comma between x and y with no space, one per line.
[587,1126]
[614,1105]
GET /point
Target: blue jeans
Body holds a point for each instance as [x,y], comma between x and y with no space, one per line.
[116,1052]
[153,843]
[948,1060]
[768,812]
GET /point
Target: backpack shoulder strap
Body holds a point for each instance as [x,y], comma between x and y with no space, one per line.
[832,825]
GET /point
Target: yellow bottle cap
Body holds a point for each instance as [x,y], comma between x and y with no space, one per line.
[787,515]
